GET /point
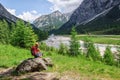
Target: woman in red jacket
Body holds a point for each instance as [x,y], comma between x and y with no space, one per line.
[36,51]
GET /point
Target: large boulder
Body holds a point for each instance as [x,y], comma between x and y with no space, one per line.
[33,64]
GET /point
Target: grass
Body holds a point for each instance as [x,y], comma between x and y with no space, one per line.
[11,56]
[103,39]
[84,67]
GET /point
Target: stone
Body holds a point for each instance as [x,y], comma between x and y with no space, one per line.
[33,64]
[48,62]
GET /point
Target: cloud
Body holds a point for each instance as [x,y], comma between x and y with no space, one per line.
[27,16]
[12,11]
[64,5]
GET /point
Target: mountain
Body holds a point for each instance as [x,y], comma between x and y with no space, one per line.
[51,21]
[88,11]
[107,22]
[5,15]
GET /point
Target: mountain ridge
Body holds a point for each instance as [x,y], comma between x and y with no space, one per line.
[51,21]
[86,11]
[5,15]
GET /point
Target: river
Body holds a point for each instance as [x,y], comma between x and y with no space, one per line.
[55,41]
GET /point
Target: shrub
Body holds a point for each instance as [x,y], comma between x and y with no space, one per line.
[43,46]
[63,49]
[118,58]
[108,57]
[92,52]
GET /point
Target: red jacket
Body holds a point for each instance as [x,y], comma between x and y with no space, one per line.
[34,50]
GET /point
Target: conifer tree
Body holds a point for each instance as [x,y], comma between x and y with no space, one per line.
[23,35]
[108,57]
[118,61]
[4,32]
[118,57]
[63,49]
[92,52]
[74,44]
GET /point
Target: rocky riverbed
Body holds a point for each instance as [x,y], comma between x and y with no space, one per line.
[55,41]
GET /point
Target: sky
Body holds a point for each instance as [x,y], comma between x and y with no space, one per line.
[29,10]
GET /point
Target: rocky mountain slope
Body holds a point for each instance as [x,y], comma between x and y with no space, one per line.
[51,21]
[88,11]
[108,22]
[5,15]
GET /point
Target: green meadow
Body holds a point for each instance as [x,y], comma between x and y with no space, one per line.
[103,39]
[11,56]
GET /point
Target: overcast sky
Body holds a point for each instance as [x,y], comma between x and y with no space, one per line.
[32,9]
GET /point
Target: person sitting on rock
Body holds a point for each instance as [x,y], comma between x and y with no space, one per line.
[35,51]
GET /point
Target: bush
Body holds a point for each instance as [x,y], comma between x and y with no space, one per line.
[118,58]
[108,57]
[92,52]
[43,46]
[63,49]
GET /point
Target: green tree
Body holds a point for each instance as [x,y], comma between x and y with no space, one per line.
[108,57]
[23,35]
[118,57]
[92,52]
[42,35]
[12,27]
[63,49]
[74,44]
[4,32]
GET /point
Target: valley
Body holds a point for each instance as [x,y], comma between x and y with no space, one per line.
[81,38]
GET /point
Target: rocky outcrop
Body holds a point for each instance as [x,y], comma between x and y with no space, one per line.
[51,21]
[34,64]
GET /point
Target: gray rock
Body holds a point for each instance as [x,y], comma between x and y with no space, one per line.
[33,64]
[48,62]
[51,21]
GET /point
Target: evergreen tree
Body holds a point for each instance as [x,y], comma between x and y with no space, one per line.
[42,35]
[108,57]
[12,26]
[63,49]
[92,52]
[4,32]
[118,57]
[23,35]
[74,44]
